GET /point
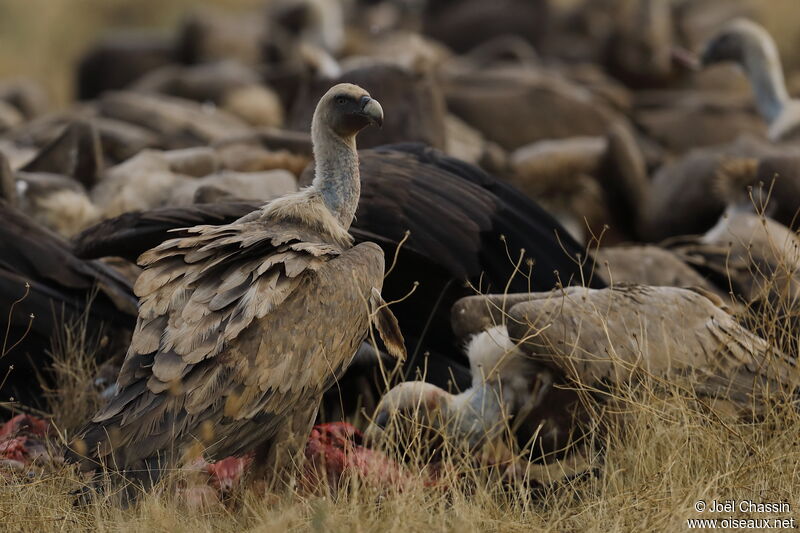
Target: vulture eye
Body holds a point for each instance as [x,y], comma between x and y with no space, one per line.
[341,100]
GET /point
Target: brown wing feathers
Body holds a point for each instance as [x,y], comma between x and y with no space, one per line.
[386,324]
[610,335]
[213,285]
[197,294]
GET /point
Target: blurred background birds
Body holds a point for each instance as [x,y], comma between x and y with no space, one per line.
[621,168]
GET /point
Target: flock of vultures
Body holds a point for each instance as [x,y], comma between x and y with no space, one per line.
[468,215]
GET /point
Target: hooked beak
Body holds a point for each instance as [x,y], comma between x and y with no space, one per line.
[372,109]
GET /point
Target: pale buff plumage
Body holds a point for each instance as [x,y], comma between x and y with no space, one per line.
[513,409]
[757,258]
[531,354]
[615,336]
[67,212]
[307,207]
[242,327]
[648,265]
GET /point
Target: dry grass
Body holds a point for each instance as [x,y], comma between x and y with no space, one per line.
[660,450]
[667,454]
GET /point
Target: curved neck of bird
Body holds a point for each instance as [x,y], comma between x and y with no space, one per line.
[336,175]
[478,412]
[762,64]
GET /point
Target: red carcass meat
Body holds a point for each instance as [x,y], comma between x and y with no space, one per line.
[22,441]
[333,451]
[337,449]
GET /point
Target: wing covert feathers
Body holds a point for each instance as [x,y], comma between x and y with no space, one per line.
[237,324]
[611,336]
[386,323]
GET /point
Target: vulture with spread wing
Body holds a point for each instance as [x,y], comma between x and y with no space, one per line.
[243,326]
[617,336]
[532,354]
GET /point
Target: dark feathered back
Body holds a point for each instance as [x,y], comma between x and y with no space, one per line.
[61,287]
[457,216]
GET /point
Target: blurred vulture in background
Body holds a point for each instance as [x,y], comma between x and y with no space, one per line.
[461,24]
[595,186]
[44,289]
[685,195]
[464,226]
[751,47]
[120,59]
[517,106]
[52,187]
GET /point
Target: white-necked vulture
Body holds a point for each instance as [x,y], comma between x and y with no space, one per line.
[243,326]
[528,347]
[752,47]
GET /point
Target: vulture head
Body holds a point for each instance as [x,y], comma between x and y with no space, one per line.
[423,414]
[738,41]
[411,414]
[345,110]
[750,46]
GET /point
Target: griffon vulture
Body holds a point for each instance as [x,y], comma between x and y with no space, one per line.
[506,387]
[757,261]
[619,335]
[464,225]
[243,326]
[750,46]
[533,353]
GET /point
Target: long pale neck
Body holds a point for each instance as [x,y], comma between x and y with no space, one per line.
[763,67]
[336,175]
[476,412]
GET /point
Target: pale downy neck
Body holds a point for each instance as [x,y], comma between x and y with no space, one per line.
[762,64]
[476,413]
[336,175]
